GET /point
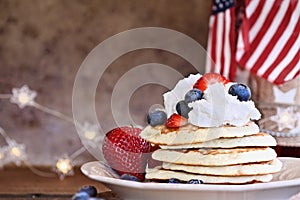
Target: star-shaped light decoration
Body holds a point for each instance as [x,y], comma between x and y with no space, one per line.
[23,96]
[64,167]
[90,133]
[16,152]
[285,118]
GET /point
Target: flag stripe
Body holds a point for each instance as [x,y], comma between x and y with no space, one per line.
[285,44]
[287,70]
[260,40]
[220,46]
[274,43]
[219,43]
[285,61]
[267,55]
[257,24]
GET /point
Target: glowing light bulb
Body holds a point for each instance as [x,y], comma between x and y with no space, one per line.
[15,151]
[64,165]
[90,135]
[23,96]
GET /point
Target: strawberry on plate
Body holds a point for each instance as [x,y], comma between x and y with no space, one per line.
[126,152]
[176,121]
[209,79]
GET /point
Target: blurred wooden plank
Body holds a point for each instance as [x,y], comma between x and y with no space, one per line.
[22,182]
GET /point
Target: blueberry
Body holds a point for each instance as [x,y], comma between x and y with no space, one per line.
[242,91]
[90,190]
[174,180]
[195,181]
[193,95]
[81,196]
[183,109]
[129,177]
[157,117]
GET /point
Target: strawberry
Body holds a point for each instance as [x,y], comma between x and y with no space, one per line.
[175,121]
[126,152]
[209,79]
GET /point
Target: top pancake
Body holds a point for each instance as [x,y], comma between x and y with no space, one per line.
[257,140]
[190,134]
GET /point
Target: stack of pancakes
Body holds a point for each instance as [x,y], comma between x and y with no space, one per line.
[227,154]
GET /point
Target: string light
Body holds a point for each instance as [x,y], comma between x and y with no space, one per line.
[285,118]
[90,133]
[23,96]
[64,167]
[16,152]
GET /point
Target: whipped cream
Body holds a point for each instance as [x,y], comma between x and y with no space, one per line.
[217,107]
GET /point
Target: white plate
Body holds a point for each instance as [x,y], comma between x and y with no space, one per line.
[284,185]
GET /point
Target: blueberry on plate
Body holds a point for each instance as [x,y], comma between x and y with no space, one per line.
[193,95]
[183,109]
[129,177]
[195,181]
[174,180]
[90,190]
[242,91]
[157,117]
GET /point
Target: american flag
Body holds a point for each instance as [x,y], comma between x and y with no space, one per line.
[268,41]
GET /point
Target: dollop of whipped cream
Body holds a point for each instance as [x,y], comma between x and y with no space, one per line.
[216,108]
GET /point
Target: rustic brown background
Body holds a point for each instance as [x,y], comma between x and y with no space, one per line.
[43,42]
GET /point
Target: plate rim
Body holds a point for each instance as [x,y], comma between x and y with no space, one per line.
[190,187]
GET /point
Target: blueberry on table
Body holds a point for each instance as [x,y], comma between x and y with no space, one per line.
[193,95]
[81,196]
[157,117]
[90,190]
[129,177]
[242,91]
[195,181]
[174,180]
[183,109]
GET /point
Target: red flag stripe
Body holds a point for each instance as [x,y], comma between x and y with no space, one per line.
[273,49]
[270,47]
[285,47]
[259,39]
[220,47]
[287,70]
[294,52]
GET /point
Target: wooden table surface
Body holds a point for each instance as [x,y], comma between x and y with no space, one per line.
[21,183]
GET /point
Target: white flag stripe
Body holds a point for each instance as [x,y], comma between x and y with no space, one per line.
[265,40]
[209,61]
[287,59]
[294,71]
[280,43]
[227,49]
[261,19]
[251,7]
[219,42]
[240,50]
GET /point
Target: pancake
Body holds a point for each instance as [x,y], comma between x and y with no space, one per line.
[161,174]
[215,157]
[190,134]
[231,170]
[257,140]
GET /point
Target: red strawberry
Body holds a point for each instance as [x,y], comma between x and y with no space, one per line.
[209,79]
[126,152]
[176,121]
